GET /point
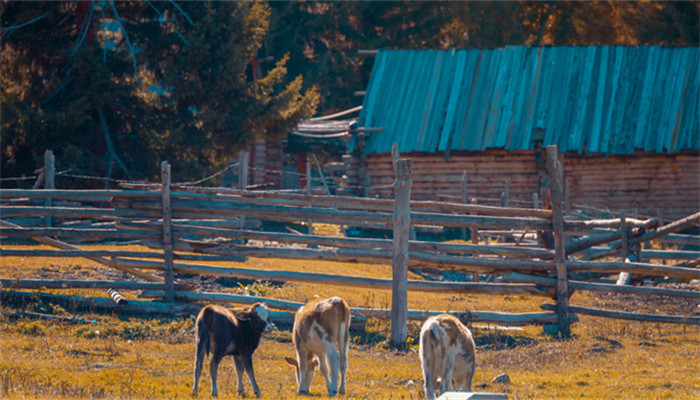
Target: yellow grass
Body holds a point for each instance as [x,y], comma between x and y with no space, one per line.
[152,358]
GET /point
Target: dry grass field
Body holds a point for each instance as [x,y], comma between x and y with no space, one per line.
[113,356]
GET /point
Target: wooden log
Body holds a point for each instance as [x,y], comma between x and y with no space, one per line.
[399,265]
[611,223]
[55,243]
[360,243]
[49,317]
[467,264]
[276,196]
[81,212]
[344,217]
[93,233]
[668,319]
[634,267]
[556,184]
[101,304]
[624,277]
[673,227]
[353,281]
[579,245]
[75,194]
[114,253]
[511,319]
[601,287]
[167,232]
[117,297]
[83,284]
[49,175]
[671,254]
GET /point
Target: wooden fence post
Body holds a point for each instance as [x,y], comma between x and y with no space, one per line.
[402,231]
[49,182]
[556,186]
[167,233]
[624,278]
[309,192]
[464,201]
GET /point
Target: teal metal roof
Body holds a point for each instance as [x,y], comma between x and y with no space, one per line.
[590,99]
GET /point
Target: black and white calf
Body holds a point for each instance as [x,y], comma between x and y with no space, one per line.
[230,332]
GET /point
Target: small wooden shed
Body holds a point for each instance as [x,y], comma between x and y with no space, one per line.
[625,119]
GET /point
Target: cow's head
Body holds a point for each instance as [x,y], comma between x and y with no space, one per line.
[258,316]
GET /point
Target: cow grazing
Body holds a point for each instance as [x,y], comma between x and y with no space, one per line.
[446,351]
[320,335]
[230,332]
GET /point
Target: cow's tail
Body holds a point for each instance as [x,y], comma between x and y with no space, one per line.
[430,356]
[203,335]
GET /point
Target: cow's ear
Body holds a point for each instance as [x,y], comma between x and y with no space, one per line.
[243,316]
[292,361]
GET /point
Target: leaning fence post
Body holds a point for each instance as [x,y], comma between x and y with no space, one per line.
[167,233]
[49,183]
[402,231]
[556,185]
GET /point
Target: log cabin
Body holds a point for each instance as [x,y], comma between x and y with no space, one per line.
[625,119]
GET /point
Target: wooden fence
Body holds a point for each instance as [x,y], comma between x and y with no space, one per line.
[180,222]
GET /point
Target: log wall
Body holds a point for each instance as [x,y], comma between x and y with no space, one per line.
[656,185]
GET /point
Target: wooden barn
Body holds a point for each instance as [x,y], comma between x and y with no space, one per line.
[625,119]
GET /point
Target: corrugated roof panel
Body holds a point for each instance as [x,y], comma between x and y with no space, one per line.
[597,99]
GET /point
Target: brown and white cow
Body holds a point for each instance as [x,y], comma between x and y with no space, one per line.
[320,334]
[230,332]
[447,351]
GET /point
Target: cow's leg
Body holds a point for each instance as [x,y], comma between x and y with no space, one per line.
[343,366]
[333,361]
[429,378]
[446,374]
[248,361]
[240,368]
[304,365]
[199,359]
[213,370]
[323,366]
[469,371]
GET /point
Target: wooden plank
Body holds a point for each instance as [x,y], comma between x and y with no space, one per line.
[661,318]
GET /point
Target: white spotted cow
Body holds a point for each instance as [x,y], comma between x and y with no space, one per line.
[447,354]
[320,335]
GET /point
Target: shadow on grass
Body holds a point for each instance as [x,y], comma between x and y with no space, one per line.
[497,340]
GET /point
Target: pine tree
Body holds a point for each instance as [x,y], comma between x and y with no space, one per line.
[116,87]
